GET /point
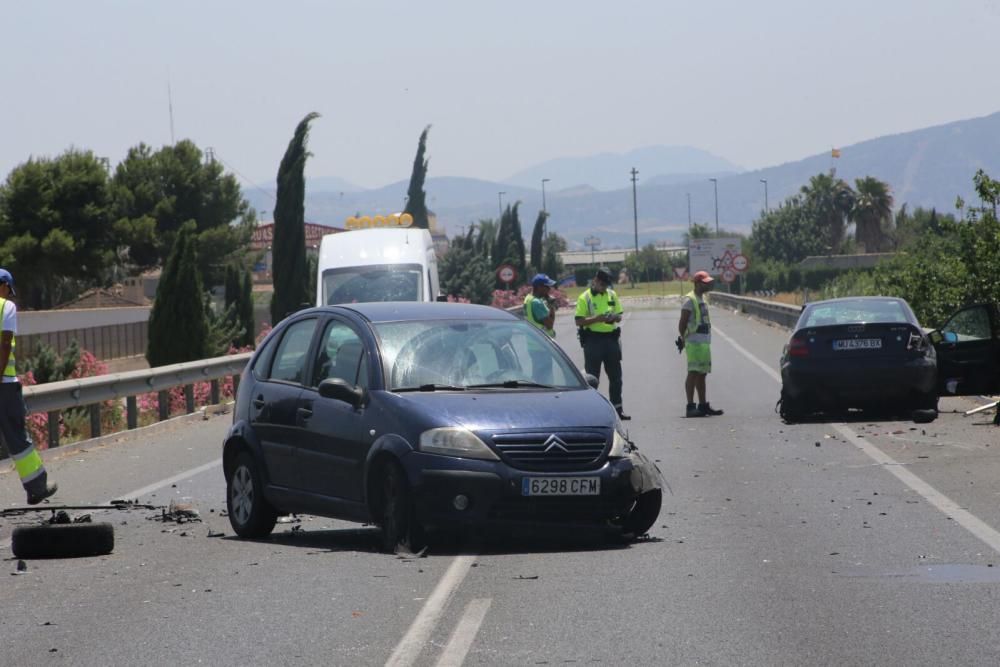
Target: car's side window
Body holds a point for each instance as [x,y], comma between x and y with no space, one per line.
[970,324]
[292,353]
[341,355]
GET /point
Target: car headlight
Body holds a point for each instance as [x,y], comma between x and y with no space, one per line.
[620,446]
[453,441]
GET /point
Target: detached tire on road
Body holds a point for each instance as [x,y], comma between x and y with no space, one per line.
[69,540]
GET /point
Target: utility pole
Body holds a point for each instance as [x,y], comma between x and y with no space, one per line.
[766,209]
[635,212]
[715,184]
[500,203]
[689,211]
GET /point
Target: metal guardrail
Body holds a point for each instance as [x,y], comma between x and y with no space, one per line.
[779,313]
[90,392]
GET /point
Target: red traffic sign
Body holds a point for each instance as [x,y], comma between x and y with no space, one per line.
[680,272]
[741,263]
[728,276]
[506,273]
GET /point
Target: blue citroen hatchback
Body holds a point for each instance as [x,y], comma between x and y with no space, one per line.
[417,416]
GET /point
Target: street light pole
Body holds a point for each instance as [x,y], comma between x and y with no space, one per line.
[635,211]
[764,181]
[715,184]
[545,212]
[689,211]
[500,203]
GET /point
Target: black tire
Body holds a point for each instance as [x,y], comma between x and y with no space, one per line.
[397,521]
[644,513]
[63,540]
[250,514]
[924,416]
[926,402]
[791,409]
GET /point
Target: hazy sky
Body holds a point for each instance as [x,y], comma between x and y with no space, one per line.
[505,84]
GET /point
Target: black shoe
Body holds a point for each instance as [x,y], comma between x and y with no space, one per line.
[694,411]
[709,410]
[35,498]
[624,417]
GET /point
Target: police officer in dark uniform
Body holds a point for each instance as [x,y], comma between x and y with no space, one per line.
[598,314]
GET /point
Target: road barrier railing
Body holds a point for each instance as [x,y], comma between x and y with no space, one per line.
[91,392]
[770,311]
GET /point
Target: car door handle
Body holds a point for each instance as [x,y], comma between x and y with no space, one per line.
[259,403]
[305,413]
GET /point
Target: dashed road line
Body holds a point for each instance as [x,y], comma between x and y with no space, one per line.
[465,633]
[409,647]
[963,517]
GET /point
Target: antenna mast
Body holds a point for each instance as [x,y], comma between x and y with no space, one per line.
[170,107]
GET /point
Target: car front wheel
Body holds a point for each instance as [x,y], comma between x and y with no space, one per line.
[249,512]
[399,526]
[644,513]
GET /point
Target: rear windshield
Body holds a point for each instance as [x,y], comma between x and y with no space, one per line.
[385,282]
[869,311]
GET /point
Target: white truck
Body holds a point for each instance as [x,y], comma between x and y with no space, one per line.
[377,264]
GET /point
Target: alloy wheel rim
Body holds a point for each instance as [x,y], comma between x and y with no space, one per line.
[242,494]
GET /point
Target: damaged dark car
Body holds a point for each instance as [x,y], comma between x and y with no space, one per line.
[871,353]
[424,416]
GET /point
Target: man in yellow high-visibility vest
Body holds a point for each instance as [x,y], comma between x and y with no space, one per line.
[598,315]
[695,330]
[13,412]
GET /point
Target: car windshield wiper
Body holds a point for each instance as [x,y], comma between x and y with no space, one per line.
[511,384]
[431,387]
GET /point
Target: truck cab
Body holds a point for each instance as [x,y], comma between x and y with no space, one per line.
[368,264]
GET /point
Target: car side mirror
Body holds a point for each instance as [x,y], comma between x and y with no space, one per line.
[442,298]
[339,390]
[592,380]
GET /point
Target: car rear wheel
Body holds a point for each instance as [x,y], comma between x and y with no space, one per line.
[398,523]
[249,512]
[644,513]
[791,409]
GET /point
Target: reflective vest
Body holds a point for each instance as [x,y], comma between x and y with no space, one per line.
[530,316]
[594,309]
[693,337]
[11,369]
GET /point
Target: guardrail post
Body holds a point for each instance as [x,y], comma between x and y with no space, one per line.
[95,420]
[163,398]
[53,429]
[131,412]
[189,398]
[215,392]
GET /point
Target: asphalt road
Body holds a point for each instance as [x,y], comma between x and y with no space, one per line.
[870,542]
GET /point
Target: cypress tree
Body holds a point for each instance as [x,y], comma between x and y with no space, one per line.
[232,285]
[516,249]
[245,309]
[178,330]
[290,276]
[416,198]
[536,241]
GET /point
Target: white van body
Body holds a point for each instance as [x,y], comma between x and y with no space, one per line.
[377,264]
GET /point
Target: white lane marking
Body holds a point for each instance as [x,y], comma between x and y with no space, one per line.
[179,477]
[946,505]
[412,643]
[465,633]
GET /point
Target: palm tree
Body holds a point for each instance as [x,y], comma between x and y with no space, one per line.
[872,207]
[831,200]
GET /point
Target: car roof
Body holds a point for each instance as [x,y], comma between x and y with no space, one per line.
[402,311]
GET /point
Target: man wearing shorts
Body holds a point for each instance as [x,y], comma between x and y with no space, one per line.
[696,339]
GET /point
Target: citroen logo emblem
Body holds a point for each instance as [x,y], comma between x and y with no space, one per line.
[555,443]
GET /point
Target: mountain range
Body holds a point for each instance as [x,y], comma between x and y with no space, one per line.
[928,167]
